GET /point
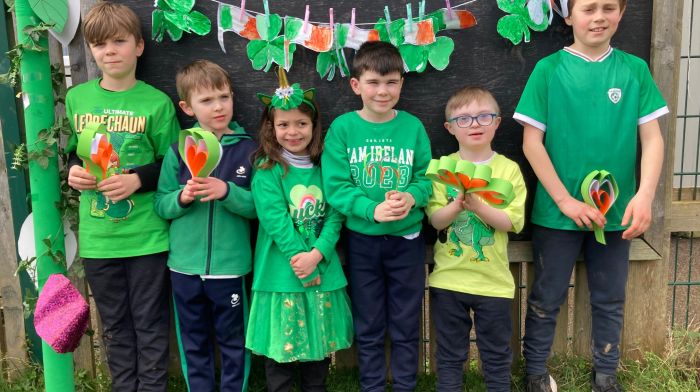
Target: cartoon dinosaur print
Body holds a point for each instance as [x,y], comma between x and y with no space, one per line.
[470,230]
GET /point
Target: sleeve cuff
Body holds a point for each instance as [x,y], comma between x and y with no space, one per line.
[148,174]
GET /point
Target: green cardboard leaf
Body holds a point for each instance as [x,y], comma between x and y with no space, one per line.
[513,28]
[415,57]
[439,52]
[174,32]
[180,6]
[198,23]
[200,150]
[276,50]
[176,19]
[292,27]
[51,12]
[511,6]
[268,26]
[257,53]
[95,150]
[395,35]
[158,23]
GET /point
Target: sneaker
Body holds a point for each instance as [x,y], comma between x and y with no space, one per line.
[605,383]
[541,383]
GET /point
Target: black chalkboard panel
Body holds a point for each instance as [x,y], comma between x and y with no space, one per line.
[481,57]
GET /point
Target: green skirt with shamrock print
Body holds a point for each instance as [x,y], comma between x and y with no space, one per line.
[305,326]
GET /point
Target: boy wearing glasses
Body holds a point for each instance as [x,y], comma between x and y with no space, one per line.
[471,261]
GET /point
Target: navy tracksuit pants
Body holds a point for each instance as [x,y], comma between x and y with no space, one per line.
[203,306]
[387,284]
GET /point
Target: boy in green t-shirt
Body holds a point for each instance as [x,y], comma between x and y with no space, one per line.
[123,242]
[471,256]
[374,165]
[583,108]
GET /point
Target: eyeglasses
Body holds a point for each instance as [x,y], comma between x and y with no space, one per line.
[466,121]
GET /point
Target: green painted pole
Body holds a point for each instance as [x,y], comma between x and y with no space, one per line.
[37,97]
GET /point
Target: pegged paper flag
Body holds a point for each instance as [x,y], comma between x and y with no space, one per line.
[599,190]
[95,150]
[200,150]
[468,177]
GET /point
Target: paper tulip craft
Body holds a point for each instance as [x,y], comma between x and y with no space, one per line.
[469,177]
[200,150]
[599,189]
[95,150]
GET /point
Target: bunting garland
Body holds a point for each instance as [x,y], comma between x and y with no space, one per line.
[274,39]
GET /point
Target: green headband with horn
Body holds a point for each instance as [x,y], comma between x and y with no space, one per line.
[288,97]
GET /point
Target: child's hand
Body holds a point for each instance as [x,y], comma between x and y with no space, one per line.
[119,186]
[402,202]
[80,179]
[303,264]
[385,212]
[187,194]
[209,188]
[581,213]
[639,212]
[315,282]
[471,203]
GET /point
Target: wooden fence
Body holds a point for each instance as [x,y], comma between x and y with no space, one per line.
[649,257]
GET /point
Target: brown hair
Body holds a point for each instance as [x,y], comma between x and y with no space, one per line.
[570,5]
[200,74]
[377,56]
[467,95]
[269,152]
[110,20]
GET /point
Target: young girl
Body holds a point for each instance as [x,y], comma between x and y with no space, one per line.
[300,312]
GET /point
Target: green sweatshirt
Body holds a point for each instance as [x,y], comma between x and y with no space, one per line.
[211,238]
[364,160]
[294,218]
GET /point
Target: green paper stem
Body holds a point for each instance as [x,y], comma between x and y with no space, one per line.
[599,190]
[200,150]
[468,177]
[94,149]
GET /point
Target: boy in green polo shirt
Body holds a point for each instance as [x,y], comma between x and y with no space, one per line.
[582,109]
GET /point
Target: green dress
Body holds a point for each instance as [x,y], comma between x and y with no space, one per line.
[289,322]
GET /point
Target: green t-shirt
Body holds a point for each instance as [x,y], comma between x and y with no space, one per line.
[294,217]
[471,256]
[142,125]
[364,160]
[589,111]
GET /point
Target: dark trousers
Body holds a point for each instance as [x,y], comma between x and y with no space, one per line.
[202,306]
[555,253]
[280,376]
[450,310]
[131,295]
[387,283]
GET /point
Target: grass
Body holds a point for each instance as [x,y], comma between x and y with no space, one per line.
[677,371]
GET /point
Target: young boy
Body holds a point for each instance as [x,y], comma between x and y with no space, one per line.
[471,259]
[582,110]
[374,172]
[210,235]
[122,241]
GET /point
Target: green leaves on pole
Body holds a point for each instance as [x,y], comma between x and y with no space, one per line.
[53,12]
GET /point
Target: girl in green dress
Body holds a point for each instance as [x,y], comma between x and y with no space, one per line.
[300,311]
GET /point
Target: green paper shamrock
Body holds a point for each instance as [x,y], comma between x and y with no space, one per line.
[51,12]
[327,62]
[395,34]
[176,17]
[437,54]
[269,48]
[517,26]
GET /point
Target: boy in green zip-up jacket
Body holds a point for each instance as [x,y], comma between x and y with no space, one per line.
[210,235]
[374,167]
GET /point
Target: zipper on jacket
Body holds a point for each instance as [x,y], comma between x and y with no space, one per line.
[211,224]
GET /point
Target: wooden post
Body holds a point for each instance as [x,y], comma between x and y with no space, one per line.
[10,291]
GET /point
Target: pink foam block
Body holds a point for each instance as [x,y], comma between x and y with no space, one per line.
[61,316]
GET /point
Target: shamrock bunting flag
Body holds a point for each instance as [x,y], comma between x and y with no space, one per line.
[599,190]
[524,15]
[469,177]
[176,17]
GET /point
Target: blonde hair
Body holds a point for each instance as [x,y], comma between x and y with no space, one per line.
[467,95]
[200,74]
[110,20]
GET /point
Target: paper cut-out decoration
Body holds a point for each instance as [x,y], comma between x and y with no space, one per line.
[271,48]
[524,15]
[327,62]
[237,20]
[599,190]
[176,17]
[315,37]
[288,97]
[468,177]
[51,12]
[66,35]
[61,316]
[95,150]
[200,150]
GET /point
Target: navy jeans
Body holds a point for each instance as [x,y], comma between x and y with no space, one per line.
[492,319]
[555,253]
[387,283]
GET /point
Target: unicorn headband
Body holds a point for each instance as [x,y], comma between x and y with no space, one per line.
[288,97]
